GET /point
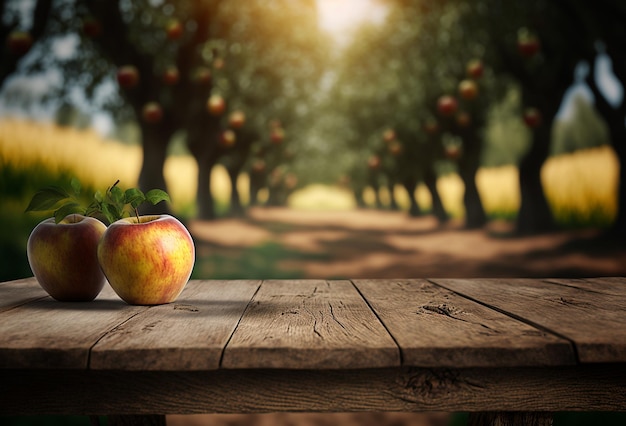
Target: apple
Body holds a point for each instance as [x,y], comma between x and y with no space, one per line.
[431,126]
[258,166]
[389,135]
[174,29]
[171,75]
[275,123]
[277,135]
[63,257]
[463,119]
[152,112]
[447,105]
[373,162]
[528,44]
[474,68]
[452,152]
[216,105]
[202,76]
[532,117]
[468,89]
[147,259]
[395,148]
[236,119]
[228,138]
[218,63]
[19,42]
[92,27]
[127,76]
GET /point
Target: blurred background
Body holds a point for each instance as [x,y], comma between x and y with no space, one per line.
[330,138]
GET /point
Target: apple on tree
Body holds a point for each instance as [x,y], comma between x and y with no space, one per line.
[152,112]
[277,135]
[468,89]
[474,69]
[228,138]
[532,117]
[373,162]
[528,44]
[389,135]
[236,119]
[174,29]
[431,126]
[395,148]
[171,75]
[201,76]
[19,42]
[447,105]
[127,76]
[216,105]
[463,119]
[219,63]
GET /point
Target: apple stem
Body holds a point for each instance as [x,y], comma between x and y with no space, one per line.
[137,214]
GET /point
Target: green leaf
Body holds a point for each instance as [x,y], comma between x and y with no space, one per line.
[67,209]
[98,197]
[46,199]
[117,195]
[76,186]
[155,196]
[111,212]
[134,197]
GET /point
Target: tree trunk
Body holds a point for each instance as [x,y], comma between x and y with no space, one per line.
[410,184]
[393,203]
[204,197]
[235,209]
[475,216]
[154,142]
[430,180]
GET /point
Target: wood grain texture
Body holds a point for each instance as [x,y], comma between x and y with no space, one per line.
[510,419]
[309,324]
[435,327]
[614,286]
[144,420]
[189,334]
[593,321]
[50,334]
[19,292]
[594,387]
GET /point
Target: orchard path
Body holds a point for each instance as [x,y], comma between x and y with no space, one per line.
[384,244]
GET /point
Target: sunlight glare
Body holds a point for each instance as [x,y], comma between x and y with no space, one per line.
[341,17]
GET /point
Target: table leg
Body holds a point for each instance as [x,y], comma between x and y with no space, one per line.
[510,419]
[156,420]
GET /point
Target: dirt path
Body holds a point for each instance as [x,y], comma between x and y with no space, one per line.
[383,244]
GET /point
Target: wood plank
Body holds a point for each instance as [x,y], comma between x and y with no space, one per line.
[189,334]
[435,327]
[51,334]
[19,292]
[590,387]
[615,286]
[309,324]
[594,322]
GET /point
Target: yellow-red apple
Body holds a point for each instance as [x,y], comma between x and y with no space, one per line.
[152,112]
[389,135]
[447,105]
[19,42]
[63,257]
[228,138]
[474,69]
[201,76]
[171,75]
[216,105]
[174,29]
[147,260]
[532,117]
[468,89]
[127,76]
[236,119]
[277,135]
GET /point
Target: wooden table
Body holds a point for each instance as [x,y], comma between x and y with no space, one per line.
[501,349]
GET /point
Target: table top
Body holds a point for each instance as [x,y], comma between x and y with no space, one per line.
[321,325]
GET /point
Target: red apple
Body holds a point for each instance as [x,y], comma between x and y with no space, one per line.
[174,29]
[277,135]
[528,44]
[373,162]
[228,138]
[447,105]
[63,257]
[171,75]
[468,89]
[452,152]
[389,135]
[202,76]
[147,260]
[218,63]
[463,119]
[395,148]
[475,69]
[91,27]
[236,119]
[152,112]
[19,42]
[216,105]
[127,76]
[532,117]
[431,126]
[258,166]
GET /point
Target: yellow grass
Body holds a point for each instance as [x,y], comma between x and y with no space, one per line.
[580,184]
